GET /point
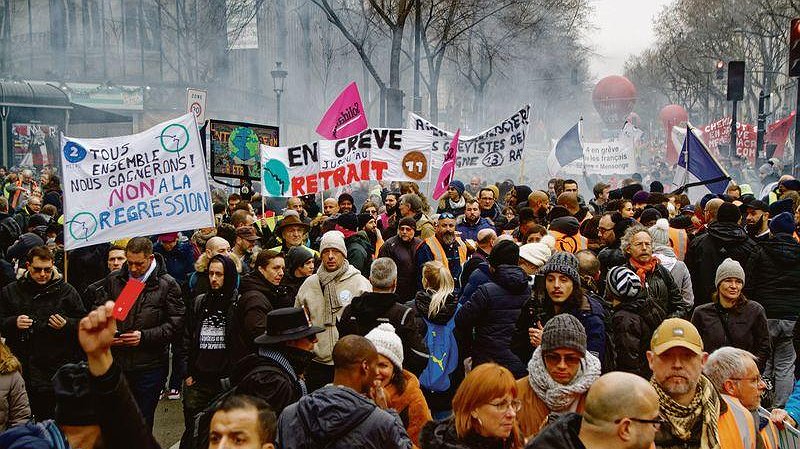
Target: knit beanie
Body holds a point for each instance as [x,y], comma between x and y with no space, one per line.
[535,253]
[348,221]
[347,197]
[504,252]
[333,239]
[728,213]
[564,263]
[387,343]
[363,219]
[563,331]
[73,398]
[729,268]
[649,214]
[660,232]
[458,185]
[623,283]
[782,224]
[640,197]
[656,186]
[407,221]
[296,257]
[780,206]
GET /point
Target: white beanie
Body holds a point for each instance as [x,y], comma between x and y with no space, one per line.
[535,253]
[660,232]
[387,343]
[333,239]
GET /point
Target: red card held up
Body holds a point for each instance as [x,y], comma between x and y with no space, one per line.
[127,298]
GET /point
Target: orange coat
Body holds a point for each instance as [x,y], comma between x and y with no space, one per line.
[410,404]
[532,417]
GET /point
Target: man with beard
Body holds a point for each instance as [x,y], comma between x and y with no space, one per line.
[688,400]
[445,247]
[471,223]
[539,201]
[474,186]
[757,219]
[402,249]
[411,206]
[207,340]
[387,221]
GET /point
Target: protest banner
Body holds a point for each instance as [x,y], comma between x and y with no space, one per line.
[234,148]
[373,154]
[138,185]
[719,132]
[345,117]
[500,145]
[609,157]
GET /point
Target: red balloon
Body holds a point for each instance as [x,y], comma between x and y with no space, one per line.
[614,97]
[672,115]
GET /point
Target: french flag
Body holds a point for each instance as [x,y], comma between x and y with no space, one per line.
[565,150]
[698,173]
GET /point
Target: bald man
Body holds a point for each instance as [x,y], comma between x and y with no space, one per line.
[349,403]
[198,281]
[711,209]
[484,243]
[621,412]
[330,207]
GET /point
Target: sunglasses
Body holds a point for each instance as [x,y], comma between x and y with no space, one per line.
[554,359]
[447,216]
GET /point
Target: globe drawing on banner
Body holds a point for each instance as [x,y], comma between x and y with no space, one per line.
[243,143]
[276,178]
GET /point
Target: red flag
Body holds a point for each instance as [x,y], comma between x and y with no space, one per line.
[345,117]
[448,168]
[778,132]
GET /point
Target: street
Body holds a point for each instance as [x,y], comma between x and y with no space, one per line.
[168,423]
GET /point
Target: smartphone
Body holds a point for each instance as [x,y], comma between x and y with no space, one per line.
[117,334]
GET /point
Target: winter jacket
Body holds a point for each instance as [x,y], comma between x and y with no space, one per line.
[706,252]
[478,277]
[746,324]
[257,297]
[470,231]
[494,215]
[492,311]
[662,289]
[562,434]
[265,378]
[446,206]
[425,228]
[324,312]
[193,324]
[442,435]
[532,417]
[14,406]
[158,313]
[631,333]
[119,418]
[410,405]
[179,261]
[41,349]
[439,400]
[371,309]
[404,256]
[359,252]
[87,265]
[679,271]
[9,232]
[337,417]
[772,274]
[477,258]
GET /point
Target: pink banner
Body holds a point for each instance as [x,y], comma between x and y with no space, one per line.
[345,117]
[448,168]
[719,132]
[778,132]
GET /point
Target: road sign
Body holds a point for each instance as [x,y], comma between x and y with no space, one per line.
[196,104]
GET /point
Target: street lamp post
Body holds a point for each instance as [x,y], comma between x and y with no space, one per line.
[278,79]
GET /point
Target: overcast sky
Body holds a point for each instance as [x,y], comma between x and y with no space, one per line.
[624,28]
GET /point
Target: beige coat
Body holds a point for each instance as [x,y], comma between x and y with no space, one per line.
[14,406]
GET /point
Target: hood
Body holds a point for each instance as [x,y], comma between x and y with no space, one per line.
[727,232]
[231,279]
[783,248]
[565,225]
[254,280]
[371,305]
[512,278]
[330,412]
[442,435]
[201,265]
[423,302]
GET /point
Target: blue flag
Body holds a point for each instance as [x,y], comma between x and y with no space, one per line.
[567,149]
[698,171]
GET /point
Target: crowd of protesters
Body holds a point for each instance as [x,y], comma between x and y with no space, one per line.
[503,316]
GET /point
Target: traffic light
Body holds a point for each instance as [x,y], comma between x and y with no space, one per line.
[794,48]
[735,80]
[720,70]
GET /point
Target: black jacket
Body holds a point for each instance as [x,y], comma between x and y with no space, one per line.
[265,378]
[257,298]
[661,288]
[772,275]
[746,325]
[404,256]
[631,333]
[707,251]
[492,311]
[41,349]
[371,309]
[158,313]
[195,314]
[562,434]
[442,435]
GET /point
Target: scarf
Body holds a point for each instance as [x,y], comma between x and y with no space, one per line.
[327,283]
[460,204]
[682,418]
[643,269]
[557,397]
[284,363]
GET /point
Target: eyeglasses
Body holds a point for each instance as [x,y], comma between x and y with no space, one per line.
[754,380]
[504,406]
[602,229]
[45,270]
[554,359]
[446,216]
[657,421]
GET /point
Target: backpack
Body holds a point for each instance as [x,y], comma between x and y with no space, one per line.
[9,232]
[443,350]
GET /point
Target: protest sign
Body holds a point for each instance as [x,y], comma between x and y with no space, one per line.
[719,132]
[345,117]
[234,148]
[373,154]
[139,185]
[500,145]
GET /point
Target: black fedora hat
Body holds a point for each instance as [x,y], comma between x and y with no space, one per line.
[289,323]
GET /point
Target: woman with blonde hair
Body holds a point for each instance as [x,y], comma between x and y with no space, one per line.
[436,304]
[14,406]
[484,413]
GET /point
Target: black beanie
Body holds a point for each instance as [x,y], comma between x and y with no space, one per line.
[363,219]
[504,252]
[348,221]
[73,397]
[728,213]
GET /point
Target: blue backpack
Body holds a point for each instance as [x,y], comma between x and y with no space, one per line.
[443,360]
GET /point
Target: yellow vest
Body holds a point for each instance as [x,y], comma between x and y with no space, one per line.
[737,429]
[440,255]
[679,242]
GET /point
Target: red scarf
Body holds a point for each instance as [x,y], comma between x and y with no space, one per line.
[643,269]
